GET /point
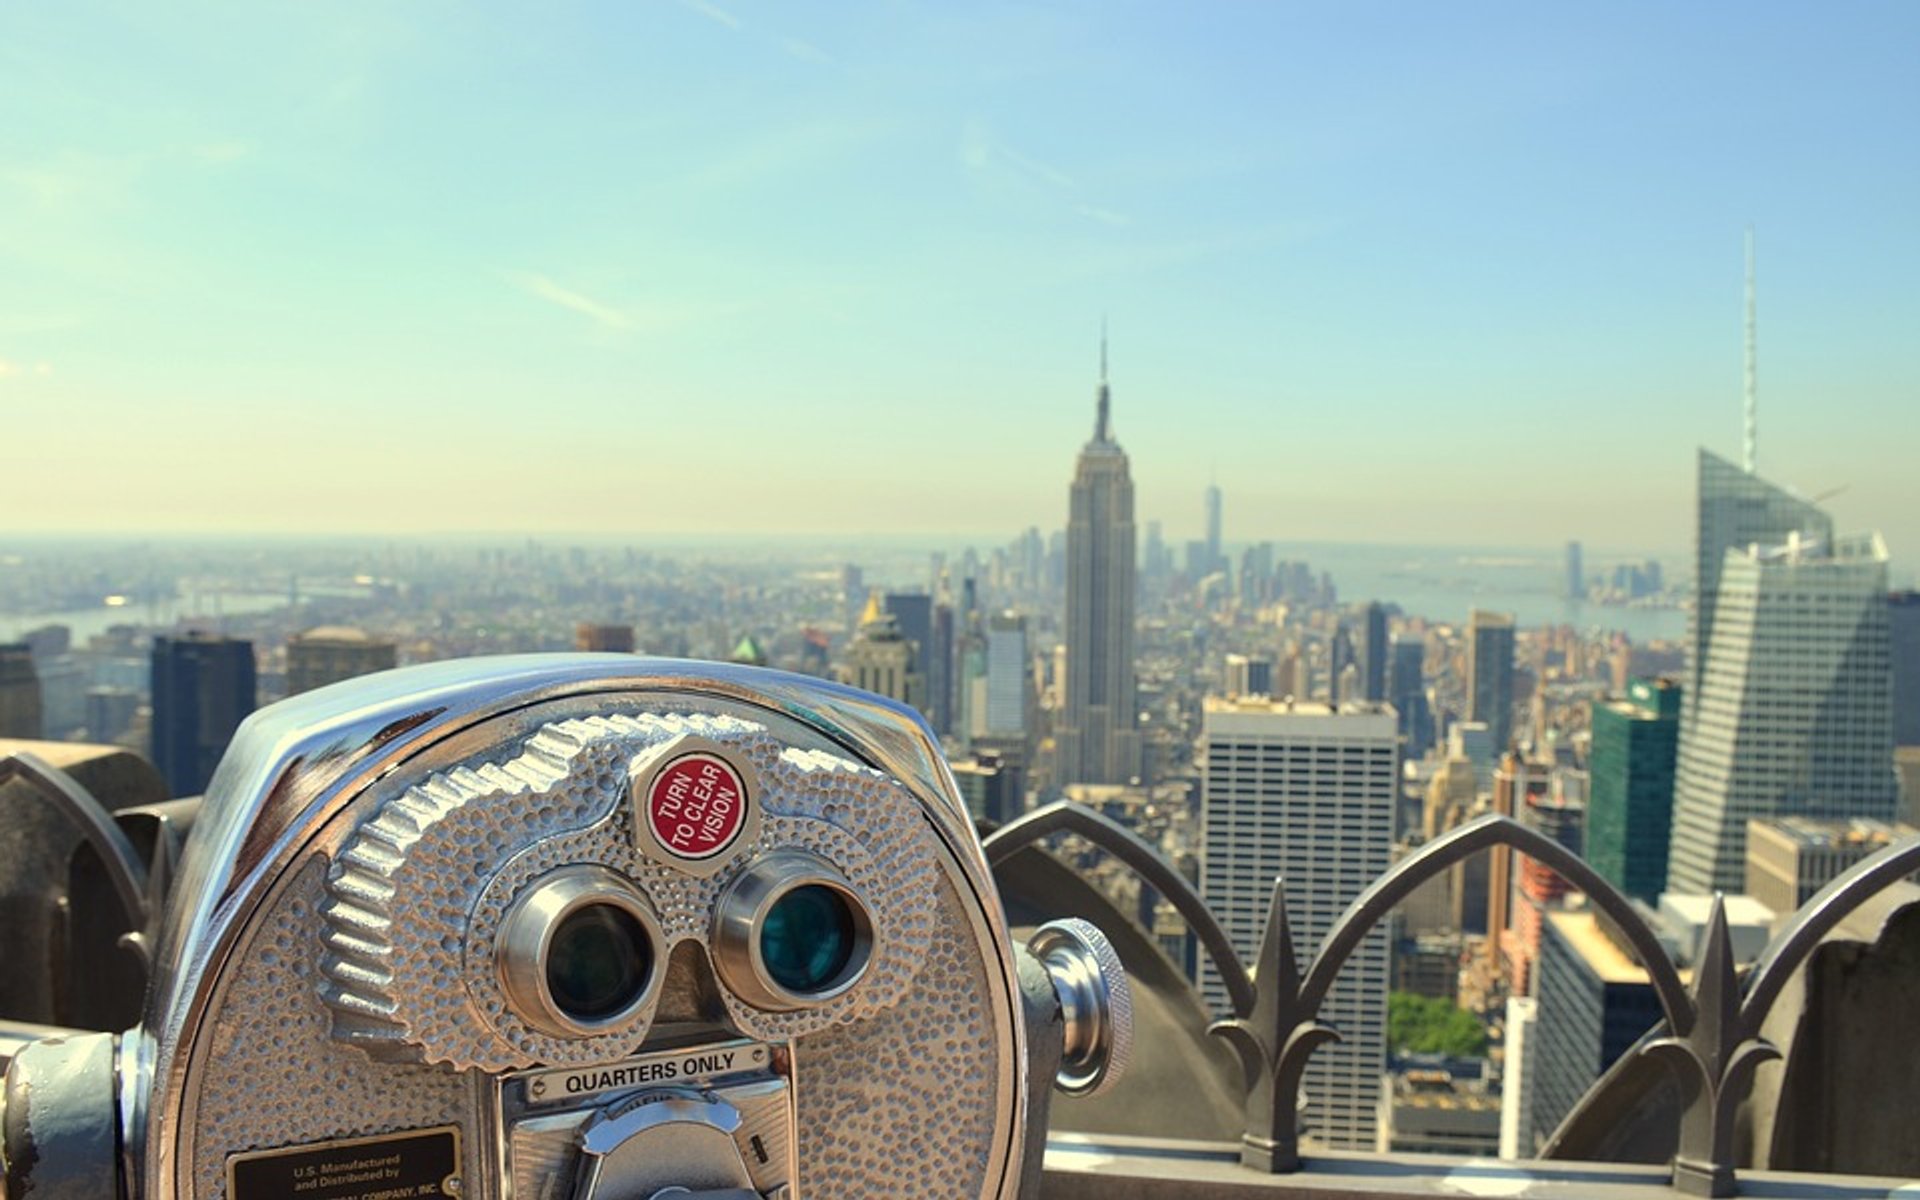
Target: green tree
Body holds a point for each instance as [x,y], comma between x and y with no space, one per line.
[1421,1025]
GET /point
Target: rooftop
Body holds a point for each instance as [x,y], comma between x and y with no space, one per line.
[1811,833]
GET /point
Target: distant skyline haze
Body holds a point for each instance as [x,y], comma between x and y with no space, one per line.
[1388,275]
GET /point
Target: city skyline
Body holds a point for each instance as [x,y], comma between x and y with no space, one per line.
[322,272]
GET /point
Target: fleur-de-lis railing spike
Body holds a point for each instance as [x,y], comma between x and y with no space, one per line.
[1713,1063]
[1274,1043]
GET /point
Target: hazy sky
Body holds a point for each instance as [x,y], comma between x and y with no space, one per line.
[1401,273]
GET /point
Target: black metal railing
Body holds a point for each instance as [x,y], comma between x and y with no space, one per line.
[1713,1040]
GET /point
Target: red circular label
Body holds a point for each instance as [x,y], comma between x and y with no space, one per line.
[696,805]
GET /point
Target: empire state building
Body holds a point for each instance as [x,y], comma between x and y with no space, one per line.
[1097,740]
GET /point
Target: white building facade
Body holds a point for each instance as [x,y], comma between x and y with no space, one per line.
[1305,792]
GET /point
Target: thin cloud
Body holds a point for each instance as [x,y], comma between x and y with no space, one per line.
[553,293]
[1105,216]
[792,47]
[981,151]
[8,368]
[805,51]
[713,12]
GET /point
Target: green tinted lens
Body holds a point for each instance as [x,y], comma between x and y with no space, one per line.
[598,962]
[808,939]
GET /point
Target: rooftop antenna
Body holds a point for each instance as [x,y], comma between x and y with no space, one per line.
[1100,428]
[1749,445]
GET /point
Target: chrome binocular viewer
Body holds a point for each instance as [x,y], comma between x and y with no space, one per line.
[575,928]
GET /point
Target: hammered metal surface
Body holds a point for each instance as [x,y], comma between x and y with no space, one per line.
[273,1076]
[902,1105]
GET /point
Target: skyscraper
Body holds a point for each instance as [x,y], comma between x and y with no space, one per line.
[1407,690]
[20,715]
[881,659]
[1097,739]
[1576,573]
[1373,651]
[1737,509]
[1795,712]
[1490,674]
[1306,793]
[913,613]
[940,666]
[1007,677]
[1630,806]
[203,687]
[1216,559]
[1903,631]
[332,653]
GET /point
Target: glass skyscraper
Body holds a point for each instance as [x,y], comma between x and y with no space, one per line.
[1793,715]
[1630,802]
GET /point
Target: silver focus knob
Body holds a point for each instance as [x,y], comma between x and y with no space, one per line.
[1096,1004]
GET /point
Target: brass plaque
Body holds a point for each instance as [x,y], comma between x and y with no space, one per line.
[389,1166]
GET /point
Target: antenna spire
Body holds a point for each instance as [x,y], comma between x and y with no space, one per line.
[1749,446]
[1102,428]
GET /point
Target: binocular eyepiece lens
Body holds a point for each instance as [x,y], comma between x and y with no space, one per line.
[790,932]
[808,938]
[598,963]
[579,953]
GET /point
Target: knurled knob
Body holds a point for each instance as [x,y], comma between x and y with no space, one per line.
[1096,1004]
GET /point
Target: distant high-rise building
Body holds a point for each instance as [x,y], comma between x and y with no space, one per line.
[1216,559]
[1795,713]
[1009,677]
[20,712]
[203,687]
[940,664]
[1451,801]
[332,653]
[1538,888]
[913,613]
[880,659]
[990,786]
[604,639]
[1737,509]
[1407,691]
[1306,793]
[1373,652]
[1516,1084]
[1490,674]
[1576,573]
[110,712]
[1630,803]
[1903,641]
[1593,1002]
[1791,858]
[1097,739]
[853,592]
[1248,675]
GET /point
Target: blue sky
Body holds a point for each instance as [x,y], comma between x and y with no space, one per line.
[1393,273]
